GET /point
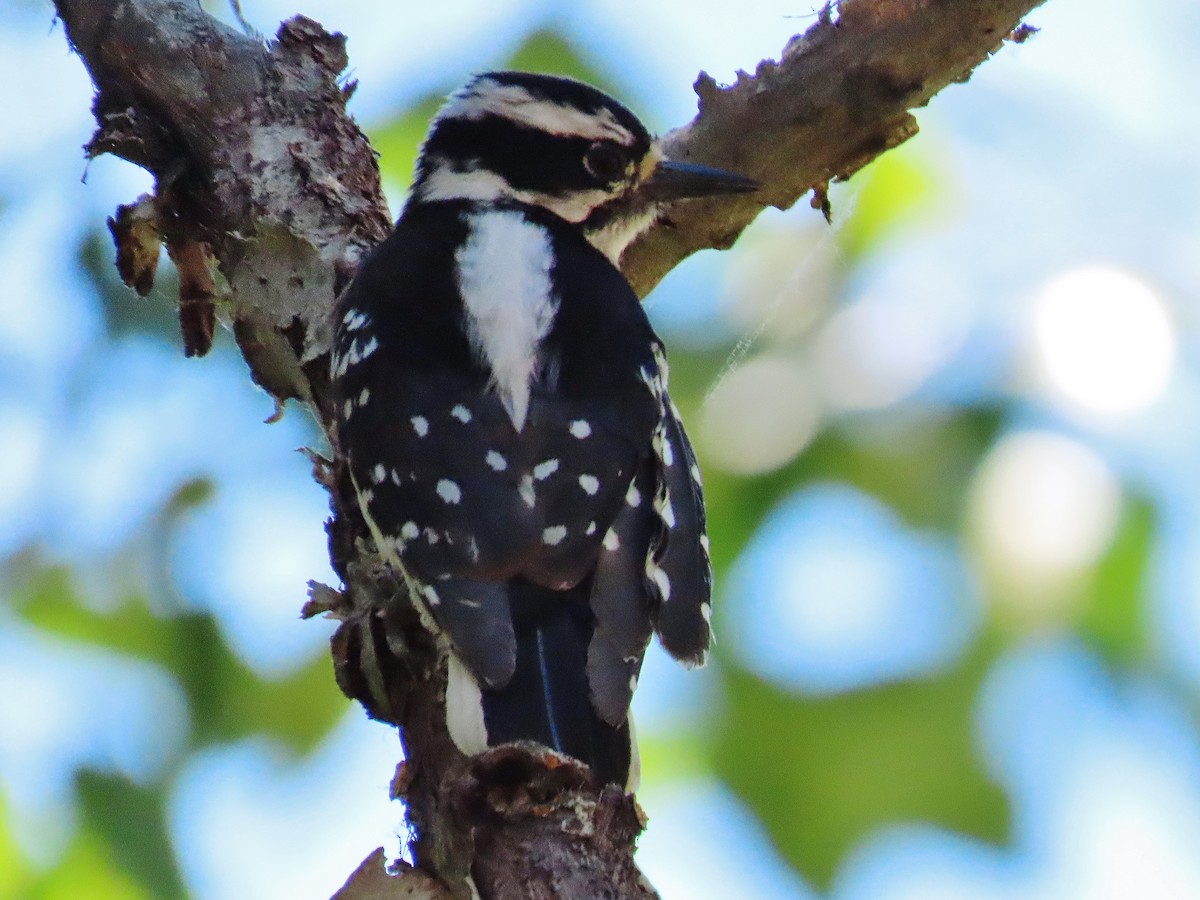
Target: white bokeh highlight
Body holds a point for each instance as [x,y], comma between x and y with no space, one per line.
[759,416]
[1104,341]
[882,347]
[1043,508]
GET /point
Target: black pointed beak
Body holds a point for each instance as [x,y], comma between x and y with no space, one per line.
[673,180]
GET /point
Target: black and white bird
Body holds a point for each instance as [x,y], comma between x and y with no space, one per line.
[502,401]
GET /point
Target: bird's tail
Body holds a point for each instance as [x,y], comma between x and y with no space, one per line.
[548,698]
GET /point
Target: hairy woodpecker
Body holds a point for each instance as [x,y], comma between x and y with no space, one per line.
[502,401]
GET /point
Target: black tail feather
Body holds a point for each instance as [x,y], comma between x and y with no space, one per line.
[547,700]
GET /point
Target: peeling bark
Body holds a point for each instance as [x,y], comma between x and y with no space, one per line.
[258,167]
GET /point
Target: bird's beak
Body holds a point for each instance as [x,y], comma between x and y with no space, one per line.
[673,180]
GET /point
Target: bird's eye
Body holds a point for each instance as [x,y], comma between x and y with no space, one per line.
[605,161]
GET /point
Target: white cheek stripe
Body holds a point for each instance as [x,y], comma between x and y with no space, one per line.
[504,278]
[443,182]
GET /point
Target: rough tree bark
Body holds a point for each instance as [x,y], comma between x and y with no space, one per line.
[264,182]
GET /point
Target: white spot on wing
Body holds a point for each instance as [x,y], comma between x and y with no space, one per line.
[461,413]
[363,396]
[420,425]
[496,461]
[449,491]
[409,531]
[526,491]
[553,536]
[660,579]
[611,541]
[590,484]
[379,473]
[354,320]
[581,429]
[545,469]
[633,496]
[591,529]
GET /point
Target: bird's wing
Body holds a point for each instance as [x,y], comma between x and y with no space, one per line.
[678,567]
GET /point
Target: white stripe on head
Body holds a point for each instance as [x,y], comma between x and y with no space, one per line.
[486,97]
[444,182]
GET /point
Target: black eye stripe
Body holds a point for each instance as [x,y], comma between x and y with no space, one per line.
[526,158]
[606,161]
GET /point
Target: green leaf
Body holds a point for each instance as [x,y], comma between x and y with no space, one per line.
[904,186]
[88,870]
[227,700]
[16,874]
[674,755]
[132,822]
[1113,619]
[545,50]
[398,140]
[822,773]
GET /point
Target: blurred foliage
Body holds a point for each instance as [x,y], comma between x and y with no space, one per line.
[91,868]
[821,773]
[227,699]
[903,188]
[131,820]
[1112,619]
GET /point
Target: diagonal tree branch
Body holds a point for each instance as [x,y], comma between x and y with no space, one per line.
[260,172]
[839,96]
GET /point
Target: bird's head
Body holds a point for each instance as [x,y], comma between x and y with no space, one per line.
[560,145]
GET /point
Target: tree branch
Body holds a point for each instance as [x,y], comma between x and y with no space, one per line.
[259,169]
[839,96]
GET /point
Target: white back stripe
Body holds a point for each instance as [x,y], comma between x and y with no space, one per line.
[504,278]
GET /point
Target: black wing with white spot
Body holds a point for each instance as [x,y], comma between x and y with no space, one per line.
[679,566]
[678,569]
[467,497]
[620,601]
